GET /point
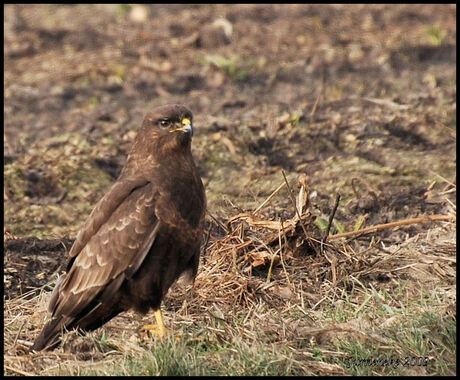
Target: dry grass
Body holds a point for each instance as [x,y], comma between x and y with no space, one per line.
[270,299]
[365,103]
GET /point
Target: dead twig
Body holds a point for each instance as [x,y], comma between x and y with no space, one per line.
[217,222]
[18,371]
[205,247]
[403,222]
[294,203]
[387,103]
[331,218]
[281,254]
[269,197]
[313,110]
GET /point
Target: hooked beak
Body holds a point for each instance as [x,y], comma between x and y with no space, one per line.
[186,127]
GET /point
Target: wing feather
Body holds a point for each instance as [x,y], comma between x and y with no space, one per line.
[104,209]
[112,248]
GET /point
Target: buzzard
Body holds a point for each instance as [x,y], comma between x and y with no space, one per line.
[141,236]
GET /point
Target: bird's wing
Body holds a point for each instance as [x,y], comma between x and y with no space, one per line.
[111,247]
[104,209]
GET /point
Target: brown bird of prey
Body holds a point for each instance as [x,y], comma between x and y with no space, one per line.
[141,236]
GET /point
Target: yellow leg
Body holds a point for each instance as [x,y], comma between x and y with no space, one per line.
[159,329]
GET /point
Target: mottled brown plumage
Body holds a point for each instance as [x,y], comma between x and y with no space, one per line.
[140,237]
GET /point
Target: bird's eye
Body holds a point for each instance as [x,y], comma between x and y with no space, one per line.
[165,123]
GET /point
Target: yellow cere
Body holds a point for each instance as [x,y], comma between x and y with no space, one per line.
[186,121]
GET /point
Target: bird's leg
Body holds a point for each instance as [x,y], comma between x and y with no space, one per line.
[159,329]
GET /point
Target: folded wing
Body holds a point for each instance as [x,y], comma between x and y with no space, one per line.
[110,247]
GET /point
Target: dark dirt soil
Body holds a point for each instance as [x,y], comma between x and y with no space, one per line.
[360,98]
[32,263]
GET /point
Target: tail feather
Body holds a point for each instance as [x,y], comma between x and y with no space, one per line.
[89,319]
[49,336]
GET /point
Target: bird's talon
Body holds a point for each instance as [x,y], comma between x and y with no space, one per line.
[150,327]
[156,331]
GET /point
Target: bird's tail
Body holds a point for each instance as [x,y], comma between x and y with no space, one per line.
[49,336]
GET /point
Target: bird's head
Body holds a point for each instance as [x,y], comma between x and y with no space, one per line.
[166,131]
[170,123]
